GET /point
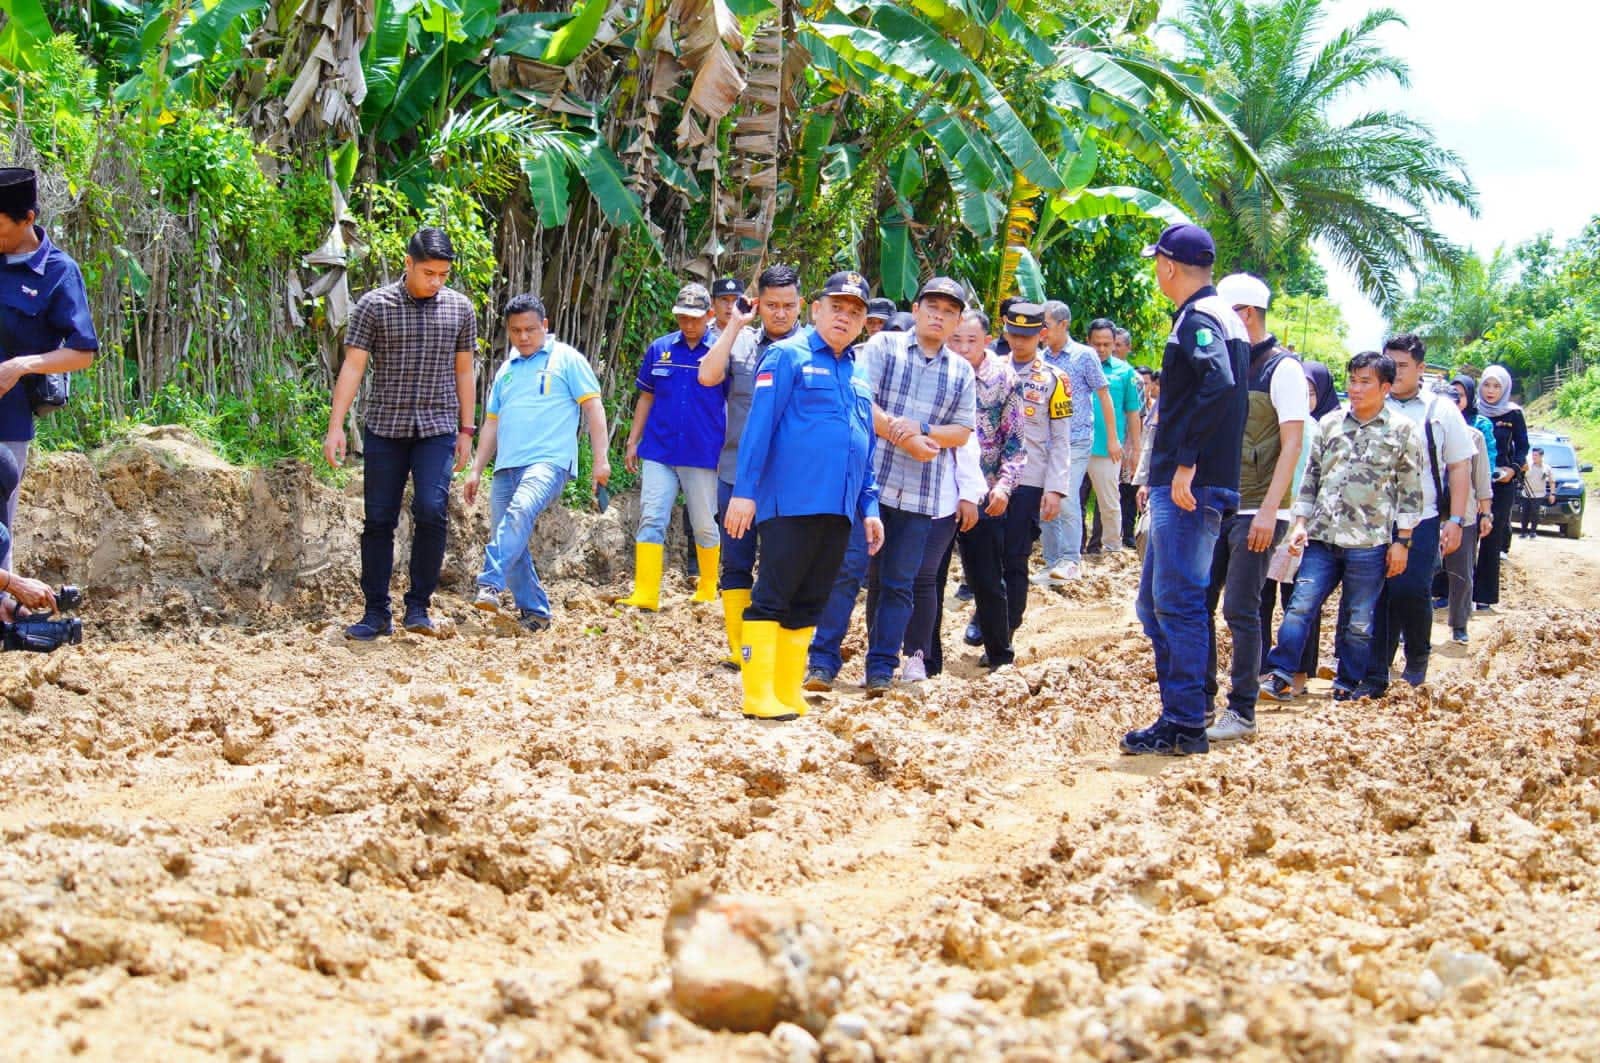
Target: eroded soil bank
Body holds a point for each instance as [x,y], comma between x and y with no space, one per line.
[228,833]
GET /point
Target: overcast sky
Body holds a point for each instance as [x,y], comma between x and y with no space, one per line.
[1512,89]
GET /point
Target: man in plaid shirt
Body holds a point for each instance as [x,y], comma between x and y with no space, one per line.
[421,339]
[924,405]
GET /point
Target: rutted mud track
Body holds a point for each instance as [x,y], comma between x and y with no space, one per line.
[273,844]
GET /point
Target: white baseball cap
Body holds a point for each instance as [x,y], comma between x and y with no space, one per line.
[1244,289]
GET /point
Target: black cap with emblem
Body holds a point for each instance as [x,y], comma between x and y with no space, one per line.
[19,191]
[945,286]
[726,286]
[882,309]
[1024,319]
[849,283]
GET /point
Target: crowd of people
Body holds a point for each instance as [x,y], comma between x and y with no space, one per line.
[831,442]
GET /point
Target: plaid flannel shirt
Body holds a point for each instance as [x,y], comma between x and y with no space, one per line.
[412,343]
[939,391]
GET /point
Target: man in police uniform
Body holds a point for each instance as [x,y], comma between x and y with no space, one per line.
[1194,483]
[725,292]
[44,321]
[734,358]
[678,430]
[1047,441]
[805,477]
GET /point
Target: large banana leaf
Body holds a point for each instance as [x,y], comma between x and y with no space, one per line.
[1126,125]
[1113,201]
[570,40]
[897,257]
[607,179]
[548,183]
[383,57]
[26,27]
[200,40]
[974,168]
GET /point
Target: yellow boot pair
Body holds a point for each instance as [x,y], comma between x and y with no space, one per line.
[733,606]
[774,663]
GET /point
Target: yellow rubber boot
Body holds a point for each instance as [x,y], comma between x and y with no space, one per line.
[705,588]
[793,646]
[760,654]
[733,606]
[646,578]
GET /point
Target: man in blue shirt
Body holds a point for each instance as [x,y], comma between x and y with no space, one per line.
[44,321]
[530,433]
[804,478]
[678,430]
[1061,539]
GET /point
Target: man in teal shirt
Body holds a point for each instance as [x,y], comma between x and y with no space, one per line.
[1108,451]
[531,435]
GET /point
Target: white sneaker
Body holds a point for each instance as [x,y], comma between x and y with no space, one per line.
[1065,572]
[1230,728]
[912,669]
[1040,578]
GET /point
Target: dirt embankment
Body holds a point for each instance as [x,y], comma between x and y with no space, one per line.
[271,844]
[161,530]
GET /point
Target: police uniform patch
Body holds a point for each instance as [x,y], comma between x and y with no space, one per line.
[1028,411]
[1202,337]
[1061,401]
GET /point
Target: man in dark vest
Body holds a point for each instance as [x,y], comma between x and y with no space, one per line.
[1274,430]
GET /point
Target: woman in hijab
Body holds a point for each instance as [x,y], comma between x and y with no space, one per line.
[1324,397]
[1510,430]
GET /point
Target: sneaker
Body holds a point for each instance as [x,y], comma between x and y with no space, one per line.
[1231,727]
[1277,688]
[1165,739]
[817,681]
[1458,636]
[912,669]
[1415,676]
[488,600]
[370,627]
[974,635]
[1441,603]
[878,685]
[963,593]
[1040,578]
[417,623]
[1481,607]
[532,620]
[1065,572]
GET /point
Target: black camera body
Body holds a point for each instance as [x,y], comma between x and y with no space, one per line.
[38,634]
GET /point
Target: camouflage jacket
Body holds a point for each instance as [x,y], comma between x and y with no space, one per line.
[1362,480]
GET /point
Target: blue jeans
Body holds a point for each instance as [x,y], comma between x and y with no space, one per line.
[1062,539]
[1172,596]
[389,463]
[893,572]
[738,555]
[658,493]
[516,498]
[1360,570]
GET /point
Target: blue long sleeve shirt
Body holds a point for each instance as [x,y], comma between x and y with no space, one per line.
[808,443]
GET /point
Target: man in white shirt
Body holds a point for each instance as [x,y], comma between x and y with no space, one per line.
[1274,431]
[1405,608]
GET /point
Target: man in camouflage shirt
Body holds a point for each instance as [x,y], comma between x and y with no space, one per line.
[1359,503]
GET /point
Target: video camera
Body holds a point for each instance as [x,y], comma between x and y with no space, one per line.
[42,634]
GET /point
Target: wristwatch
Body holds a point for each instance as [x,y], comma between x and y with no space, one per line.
[925,427]
[467,430]
[1460,521]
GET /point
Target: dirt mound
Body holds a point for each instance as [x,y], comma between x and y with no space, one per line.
[159,529]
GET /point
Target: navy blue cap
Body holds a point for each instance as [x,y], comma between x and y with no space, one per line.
[847,282]
[726,286]
[882,309]
[1184,243]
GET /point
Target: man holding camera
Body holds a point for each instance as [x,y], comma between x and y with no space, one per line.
[44,323]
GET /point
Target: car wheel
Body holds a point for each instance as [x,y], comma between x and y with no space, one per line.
[1572,529]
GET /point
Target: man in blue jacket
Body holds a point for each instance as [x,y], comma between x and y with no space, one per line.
[804,478]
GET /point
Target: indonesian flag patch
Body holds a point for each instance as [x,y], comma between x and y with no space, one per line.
[764,380]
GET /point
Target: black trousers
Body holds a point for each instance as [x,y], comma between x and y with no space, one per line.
[983,558]
[934,662]
[1486,576]
[1021,530]
[1130,511]
[1530,515]
[1093,534]
[798,559]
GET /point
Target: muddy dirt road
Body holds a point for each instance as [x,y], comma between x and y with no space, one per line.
[267,843]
